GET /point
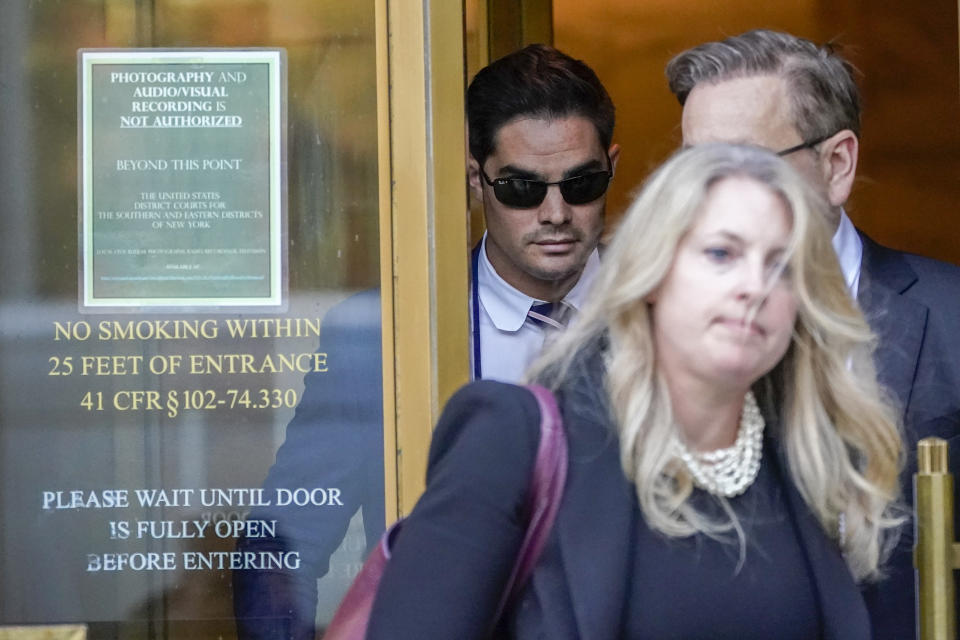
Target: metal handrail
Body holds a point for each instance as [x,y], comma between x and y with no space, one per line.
[935,554]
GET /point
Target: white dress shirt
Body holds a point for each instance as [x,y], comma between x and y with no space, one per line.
[509,344]
[849,250]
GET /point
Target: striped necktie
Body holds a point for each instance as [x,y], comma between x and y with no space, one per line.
[550,315]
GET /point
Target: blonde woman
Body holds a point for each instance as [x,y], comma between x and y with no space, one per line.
[732,460]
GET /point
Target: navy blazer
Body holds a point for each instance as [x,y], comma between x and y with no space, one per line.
[457,547]
[913,305]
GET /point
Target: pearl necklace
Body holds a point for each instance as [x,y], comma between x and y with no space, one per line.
[728,472]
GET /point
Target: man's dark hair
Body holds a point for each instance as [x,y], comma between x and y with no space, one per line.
[536,81]
[823,94]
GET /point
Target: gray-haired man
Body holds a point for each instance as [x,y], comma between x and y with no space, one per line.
[799,99]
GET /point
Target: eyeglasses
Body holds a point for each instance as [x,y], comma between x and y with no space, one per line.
[524,194]
[803,145]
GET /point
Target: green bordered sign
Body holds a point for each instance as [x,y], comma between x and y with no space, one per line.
[181,179]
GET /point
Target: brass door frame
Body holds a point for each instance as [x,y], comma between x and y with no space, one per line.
[513,24]
[423,230]
[424,216]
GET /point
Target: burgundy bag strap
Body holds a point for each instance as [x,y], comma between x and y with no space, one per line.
[543,498]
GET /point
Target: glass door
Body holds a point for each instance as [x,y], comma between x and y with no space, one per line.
[196,436]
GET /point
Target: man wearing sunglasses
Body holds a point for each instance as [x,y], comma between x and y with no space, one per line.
[536,117]
[541,159]
[800,99]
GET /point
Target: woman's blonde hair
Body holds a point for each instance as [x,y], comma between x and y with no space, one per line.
[839,432]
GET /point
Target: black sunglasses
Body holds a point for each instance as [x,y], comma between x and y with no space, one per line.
[803,145]
[521,193]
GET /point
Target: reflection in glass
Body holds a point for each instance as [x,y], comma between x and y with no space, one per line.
[74,411]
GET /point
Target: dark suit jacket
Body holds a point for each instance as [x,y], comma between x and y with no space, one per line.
[913,304]
[457,547]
